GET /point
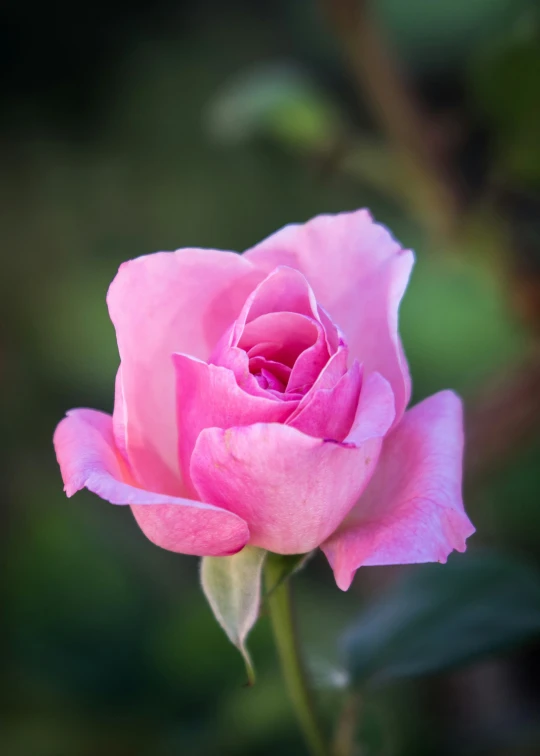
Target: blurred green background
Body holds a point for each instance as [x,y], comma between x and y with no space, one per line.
[133,127]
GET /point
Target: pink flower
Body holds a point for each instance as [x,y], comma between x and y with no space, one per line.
[261,399]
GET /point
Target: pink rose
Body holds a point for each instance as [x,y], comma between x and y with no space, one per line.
[261,399]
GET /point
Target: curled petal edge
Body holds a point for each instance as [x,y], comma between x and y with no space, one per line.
[88,458]
[412,510]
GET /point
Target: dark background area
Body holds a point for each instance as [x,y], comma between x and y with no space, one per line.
[132,127]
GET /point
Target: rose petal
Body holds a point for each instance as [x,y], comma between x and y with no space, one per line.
[238,362]
[359,274]
[329,413]
[88,458]
[208,396]
[376,410]
[269,381]
[412,511]
[292,489]
[119,417]
[283,290]
[289,332]
[308,365]
[163,303]
[277,369]
[335,368]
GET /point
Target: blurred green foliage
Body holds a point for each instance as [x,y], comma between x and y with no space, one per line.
[442,35]
[511,66]
[112,648]
[442,617]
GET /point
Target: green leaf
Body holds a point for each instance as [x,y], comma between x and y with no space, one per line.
[504,83]
[435,36]
[276,100]
[442,616]
[232,586]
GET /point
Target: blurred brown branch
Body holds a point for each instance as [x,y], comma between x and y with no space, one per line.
[344,743]
[508,410]
[433,189]
[503,417]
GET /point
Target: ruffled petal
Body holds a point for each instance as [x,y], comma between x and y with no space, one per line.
[291,488]
[308,365]
[163,303]
[119,417]
[283,290]
[329,412]
[208,396]
[412,511]
[239,362]
[88,458]
[285,336]
[358,273]
[376,410]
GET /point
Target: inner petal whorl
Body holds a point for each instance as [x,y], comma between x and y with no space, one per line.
[282,339]
[281,336]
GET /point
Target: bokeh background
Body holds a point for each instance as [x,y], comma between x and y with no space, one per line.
[130,127]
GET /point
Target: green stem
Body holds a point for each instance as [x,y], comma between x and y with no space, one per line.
[280,608]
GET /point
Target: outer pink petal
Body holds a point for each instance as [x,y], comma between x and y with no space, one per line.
[359,274]
[208,396]
[292,489]
[87,456]
[119,417]
[163,303]
[412,511]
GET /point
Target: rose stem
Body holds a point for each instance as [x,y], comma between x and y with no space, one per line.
[279,604]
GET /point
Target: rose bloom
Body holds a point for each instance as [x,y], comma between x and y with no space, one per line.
[261,399]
